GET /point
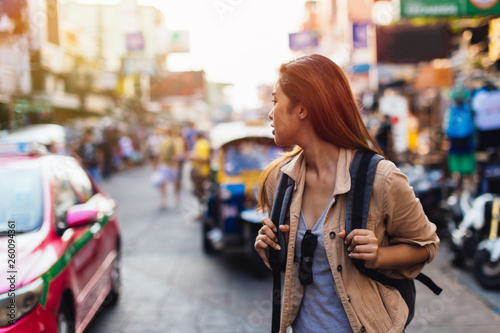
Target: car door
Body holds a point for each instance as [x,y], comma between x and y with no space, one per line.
[82,241]
[103,233]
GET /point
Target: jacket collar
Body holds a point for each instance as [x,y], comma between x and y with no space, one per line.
[296,169]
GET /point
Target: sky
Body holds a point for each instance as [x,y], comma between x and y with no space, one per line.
[241,42]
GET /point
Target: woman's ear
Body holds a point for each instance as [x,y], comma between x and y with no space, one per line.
[302,113]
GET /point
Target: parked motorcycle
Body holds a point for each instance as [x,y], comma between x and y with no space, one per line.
[455,206]
[477,238]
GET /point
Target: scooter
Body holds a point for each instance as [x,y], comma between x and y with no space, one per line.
[477,237]
[455,206]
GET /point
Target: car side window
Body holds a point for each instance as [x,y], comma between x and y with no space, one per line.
[64,194]
[80,181]
[64,198]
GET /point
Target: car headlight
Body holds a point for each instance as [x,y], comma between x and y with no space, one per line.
[15,304]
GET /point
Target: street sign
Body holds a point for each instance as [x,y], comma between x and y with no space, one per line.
[304,40]
[135,41]
[446,8]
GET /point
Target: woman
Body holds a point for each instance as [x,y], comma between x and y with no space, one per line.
[171,151]
[314,109]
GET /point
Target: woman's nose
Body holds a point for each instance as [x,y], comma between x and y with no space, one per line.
[270,115]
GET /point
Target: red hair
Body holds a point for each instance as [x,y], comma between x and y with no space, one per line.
[323,89]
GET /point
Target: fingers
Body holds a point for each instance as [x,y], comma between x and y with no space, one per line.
[363,244]
[364,252]
[285,229]
[261,247]
[267,222]
[359,236]
[266,237]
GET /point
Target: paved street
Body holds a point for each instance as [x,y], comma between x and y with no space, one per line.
[170,285]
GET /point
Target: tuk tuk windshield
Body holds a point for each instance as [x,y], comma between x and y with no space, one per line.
[249,155]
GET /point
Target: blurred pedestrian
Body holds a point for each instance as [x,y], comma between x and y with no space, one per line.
[171,151]
[180,156]
[314,110]
[189,133]
[127,149]
[153,144]
[200,172]
[107,152]
[90,155]
[384,135]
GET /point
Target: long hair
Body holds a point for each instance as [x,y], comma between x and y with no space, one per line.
[323,89]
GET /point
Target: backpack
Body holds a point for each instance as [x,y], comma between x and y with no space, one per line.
[362,171]
[461,123]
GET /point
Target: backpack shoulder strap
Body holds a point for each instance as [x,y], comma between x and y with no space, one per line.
[362,171]
[281,204]
[277,259]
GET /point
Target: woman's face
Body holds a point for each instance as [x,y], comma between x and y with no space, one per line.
[285,121]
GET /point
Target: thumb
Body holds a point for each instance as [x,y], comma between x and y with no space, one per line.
[341,234]
[284,228]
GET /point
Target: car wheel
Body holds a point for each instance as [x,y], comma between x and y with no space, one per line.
[64,319]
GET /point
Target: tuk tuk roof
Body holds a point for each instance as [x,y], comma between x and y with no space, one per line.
[224,133]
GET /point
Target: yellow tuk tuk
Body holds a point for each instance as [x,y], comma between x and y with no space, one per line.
[241,150]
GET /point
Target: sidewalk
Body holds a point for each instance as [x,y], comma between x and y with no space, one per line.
[458,309]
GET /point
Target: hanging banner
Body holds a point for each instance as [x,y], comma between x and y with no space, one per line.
[304,40]
[360,35]
[445,8]
[135,41]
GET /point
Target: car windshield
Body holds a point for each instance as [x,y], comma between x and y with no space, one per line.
[20,200]
[249,155]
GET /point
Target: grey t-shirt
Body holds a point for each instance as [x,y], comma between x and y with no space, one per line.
[321,309]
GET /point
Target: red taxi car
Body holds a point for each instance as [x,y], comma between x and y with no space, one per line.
[59,243]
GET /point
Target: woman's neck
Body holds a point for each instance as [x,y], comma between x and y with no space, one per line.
[321,157]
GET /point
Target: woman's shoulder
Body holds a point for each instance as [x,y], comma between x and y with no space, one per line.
[385,167]
[388,176]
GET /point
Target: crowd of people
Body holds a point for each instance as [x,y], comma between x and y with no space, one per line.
[166,148]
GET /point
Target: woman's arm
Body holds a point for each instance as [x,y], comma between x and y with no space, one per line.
[399,256]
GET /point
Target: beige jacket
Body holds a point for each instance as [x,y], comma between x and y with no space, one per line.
[395,216]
